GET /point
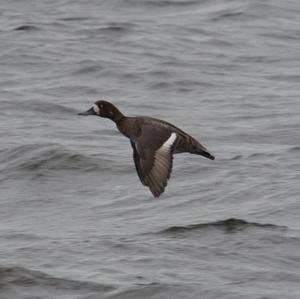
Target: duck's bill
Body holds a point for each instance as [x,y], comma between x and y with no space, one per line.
[89,112]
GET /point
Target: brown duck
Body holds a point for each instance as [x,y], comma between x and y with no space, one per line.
[154,142]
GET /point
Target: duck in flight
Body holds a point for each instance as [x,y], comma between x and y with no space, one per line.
[153,141]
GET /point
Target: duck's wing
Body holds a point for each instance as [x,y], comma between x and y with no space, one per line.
[153,158]
[137,163]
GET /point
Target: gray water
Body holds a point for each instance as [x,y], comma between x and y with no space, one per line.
[75,221]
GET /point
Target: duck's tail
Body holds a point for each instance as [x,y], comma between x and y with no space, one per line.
[199,149]
[203,153]
[186,143]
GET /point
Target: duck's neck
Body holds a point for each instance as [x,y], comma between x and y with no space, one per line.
[117,116]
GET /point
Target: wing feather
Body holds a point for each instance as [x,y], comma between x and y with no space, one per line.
[153,159]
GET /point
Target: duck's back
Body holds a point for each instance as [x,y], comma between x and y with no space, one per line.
[157,129]
[160,124]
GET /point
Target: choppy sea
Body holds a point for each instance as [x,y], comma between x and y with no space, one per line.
[75,222]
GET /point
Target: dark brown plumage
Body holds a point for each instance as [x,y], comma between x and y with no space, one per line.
[153,141]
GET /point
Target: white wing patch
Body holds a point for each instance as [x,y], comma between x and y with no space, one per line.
[96,109]
[168,144]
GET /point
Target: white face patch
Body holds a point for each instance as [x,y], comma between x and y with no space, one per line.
[96,109]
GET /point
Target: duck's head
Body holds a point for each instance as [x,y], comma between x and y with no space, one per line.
[104,109]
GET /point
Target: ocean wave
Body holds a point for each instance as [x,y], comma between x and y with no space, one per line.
[258,155]
[116,29]
[88,69]
[229,225]
[35,106]
[37,283]
[32,157]
[237,157]
[75,19]
[26,28]
[262,155]
[150,290]
[294,149]
[230,15]
[164,3]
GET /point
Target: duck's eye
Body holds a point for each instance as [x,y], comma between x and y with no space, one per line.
[96,109]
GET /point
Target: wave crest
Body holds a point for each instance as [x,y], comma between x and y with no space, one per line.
[230,225]
[33,157]
[40,283]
